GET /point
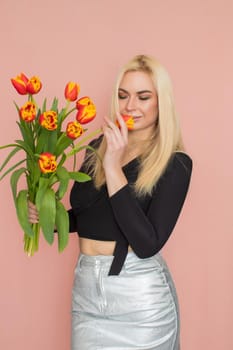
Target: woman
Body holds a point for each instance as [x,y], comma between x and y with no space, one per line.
[123,294]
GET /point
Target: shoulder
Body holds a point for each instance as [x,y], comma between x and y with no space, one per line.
[179,166]
[96,142]
[93,146]
[182,159]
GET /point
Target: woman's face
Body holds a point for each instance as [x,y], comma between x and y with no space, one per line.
[138,98]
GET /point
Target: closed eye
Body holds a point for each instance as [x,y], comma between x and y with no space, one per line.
[122,96]
[143,98]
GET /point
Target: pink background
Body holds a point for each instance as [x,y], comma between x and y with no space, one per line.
[87,41]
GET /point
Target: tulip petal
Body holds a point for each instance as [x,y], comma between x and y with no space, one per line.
[47,163]
[71,91]
[74,130]
[33,85]
[20,86]
[86,113]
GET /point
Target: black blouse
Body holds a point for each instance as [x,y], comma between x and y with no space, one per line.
[145,223]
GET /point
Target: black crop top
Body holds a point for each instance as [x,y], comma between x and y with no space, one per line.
[145,223]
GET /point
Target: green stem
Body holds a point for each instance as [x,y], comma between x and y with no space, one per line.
[74,162]
[87,138]
[68,113]
[37,234]
[31,244]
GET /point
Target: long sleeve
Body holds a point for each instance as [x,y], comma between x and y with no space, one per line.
[72,217]
[147,232]
[72,221]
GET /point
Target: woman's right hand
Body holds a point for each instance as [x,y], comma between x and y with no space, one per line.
[117,141]
[33,215]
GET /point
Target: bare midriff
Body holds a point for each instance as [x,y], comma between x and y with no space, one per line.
[94,247]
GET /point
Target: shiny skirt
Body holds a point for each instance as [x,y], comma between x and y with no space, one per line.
[137,309]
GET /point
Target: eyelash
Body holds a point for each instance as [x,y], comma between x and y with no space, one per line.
[142,98]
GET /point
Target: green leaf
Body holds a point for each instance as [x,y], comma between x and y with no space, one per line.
[10,145]
[64,177]
[62,225]
[46,141]
[17,107]
[44,105]
[53,179]
[14,181]
[62,160]
[41,141]
[22,212]
[62,143]
[26,147]
[12,168]
[10,155]
[27,133]
[43,186]
[62,115]
[52,140]
[47,215]
[36,124]
[79,176]
[80,148]
[35,172]
[54,104]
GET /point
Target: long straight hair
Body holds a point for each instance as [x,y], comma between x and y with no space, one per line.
[166,138]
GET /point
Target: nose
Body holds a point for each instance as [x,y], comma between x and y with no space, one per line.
[131,104]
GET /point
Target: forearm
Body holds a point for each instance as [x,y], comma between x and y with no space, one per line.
[117,141]
[115,179]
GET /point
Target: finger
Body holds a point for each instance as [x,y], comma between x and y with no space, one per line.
[31,205]
[33,221]
[33,214]
[109,123]
[33,218]
[111,138]
[111,131]
[123,127]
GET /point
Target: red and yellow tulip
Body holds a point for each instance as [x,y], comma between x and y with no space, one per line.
[47,163]
[28,112]
[86,110]
[129,121]
[83,101]
[74,130]
[72,91]
[33,85]
[20,83]
[48,120]
[24,86]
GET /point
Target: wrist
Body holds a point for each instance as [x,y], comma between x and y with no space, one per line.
[112,168]
[115,179]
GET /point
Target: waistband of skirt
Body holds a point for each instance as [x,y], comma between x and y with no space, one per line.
[100,260]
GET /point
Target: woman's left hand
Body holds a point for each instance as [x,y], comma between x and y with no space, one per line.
[117,141]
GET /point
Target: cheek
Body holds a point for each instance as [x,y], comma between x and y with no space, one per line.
[121,104]
[152,111]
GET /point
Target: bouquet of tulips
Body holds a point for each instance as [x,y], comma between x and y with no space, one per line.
[44,144]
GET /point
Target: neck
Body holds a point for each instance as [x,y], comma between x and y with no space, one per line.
[139,138]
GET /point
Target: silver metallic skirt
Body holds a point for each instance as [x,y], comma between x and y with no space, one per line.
[137,309]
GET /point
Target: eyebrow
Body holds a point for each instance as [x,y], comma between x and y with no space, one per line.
[138,92]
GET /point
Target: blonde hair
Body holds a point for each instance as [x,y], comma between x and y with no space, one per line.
[166,138]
